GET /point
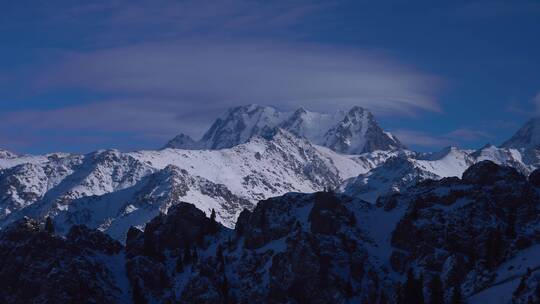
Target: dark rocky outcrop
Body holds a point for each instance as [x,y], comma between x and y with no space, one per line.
[283,243]
[534,178]
[466,228]
[487,172]
[167,237]
[39,267]
[297,248]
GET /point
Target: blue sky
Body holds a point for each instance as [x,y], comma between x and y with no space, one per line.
[78,75]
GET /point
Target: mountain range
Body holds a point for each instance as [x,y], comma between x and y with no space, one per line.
[352,132]
[259,224]
[250,154]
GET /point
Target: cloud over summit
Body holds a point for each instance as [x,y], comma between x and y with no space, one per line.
[230,73]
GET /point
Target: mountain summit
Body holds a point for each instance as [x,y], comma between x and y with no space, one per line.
[528,137]
[358,132]
[352,132]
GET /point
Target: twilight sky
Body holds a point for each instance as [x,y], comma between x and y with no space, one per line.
[83,75]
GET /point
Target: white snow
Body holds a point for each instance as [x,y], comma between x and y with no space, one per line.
[500,294]
[110,190]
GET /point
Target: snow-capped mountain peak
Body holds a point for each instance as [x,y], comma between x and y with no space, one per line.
[352,132]
[182,140]
[239,125]
[358,132]
[528,137]
[311,125]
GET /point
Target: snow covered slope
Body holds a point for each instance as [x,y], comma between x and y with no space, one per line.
[405,169]
[352,132]
[112,190]
[395,174]
[9,159]
[527,137]
[477,236]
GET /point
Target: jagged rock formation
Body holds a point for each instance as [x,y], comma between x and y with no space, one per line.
[187,257]
[38,267]
[358,133]
[396,212]
[527,137]
[404,169]
[184,141]
[478,234]
[112,191]
[395,175]
[466,230]
[352,132]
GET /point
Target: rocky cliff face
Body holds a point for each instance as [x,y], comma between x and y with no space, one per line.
[272,252]
[182,140]
[527,137]
[40,267]
[359,133]
[478,234]
[404,169]
[112,191]
[186,257]
[468,231]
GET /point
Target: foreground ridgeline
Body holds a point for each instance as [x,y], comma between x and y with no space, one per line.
[469,240]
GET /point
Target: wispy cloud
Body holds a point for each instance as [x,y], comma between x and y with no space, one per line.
[155,91]
[223,74]
[123,22]
[165,67]
[125,124]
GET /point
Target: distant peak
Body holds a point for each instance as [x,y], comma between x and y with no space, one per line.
[446,150]
[488,146]
[182,136]
[357,110]
[358,114]
[249,108]
[351,132]
[300,111]
[359,133]
[181,141]
[273,133]
[449,149]
[527,137]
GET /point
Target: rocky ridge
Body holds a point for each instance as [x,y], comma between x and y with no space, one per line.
[477,235]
